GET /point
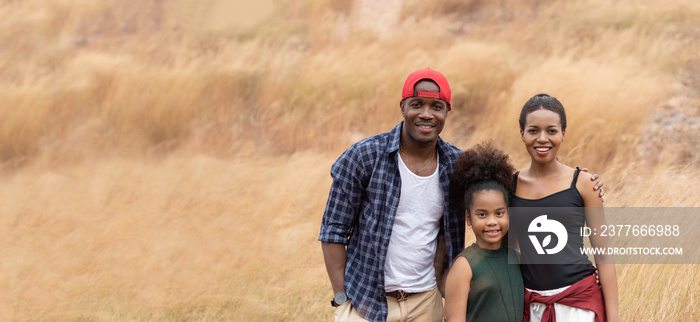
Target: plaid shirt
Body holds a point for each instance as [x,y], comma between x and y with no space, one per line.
[361,209]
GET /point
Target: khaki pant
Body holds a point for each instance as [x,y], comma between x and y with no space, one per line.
[426,306]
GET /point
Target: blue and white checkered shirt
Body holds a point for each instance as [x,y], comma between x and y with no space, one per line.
[361,209]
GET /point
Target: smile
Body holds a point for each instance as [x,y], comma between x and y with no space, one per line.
[425,128]
[543,149]
[492,233]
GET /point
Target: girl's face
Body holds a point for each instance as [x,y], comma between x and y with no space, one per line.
[488,217]
[542,135]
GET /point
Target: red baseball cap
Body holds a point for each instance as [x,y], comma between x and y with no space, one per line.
[429,74]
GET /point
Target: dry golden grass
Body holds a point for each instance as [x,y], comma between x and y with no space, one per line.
[168,160]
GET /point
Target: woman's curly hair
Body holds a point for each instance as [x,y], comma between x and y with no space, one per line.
[480,168]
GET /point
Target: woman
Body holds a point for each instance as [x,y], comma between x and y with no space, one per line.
[558,278]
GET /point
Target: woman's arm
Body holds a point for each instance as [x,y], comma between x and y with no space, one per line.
[457,290]
[598,184]
[595,217]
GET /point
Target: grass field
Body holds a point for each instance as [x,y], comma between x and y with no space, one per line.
[169,160]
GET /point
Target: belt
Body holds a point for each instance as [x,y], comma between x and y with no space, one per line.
[400,295]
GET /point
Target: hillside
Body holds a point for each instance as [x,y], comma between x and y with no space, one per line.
[169,160]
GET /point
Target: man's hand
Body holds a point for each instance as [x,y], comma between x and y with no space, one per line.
[598,184]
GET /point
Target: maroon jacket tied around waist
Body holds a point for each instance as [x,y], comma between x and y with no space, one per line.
[584,294]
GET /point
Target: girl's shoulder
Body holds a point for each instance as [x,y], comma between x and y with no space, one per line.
[461,269]
[513,255]
[470,251]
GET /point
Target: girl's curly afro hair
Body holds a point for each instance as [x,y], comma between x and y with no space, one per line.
[480,168]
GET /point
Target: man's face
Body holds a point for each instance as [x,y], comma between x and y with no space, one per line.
[424,117]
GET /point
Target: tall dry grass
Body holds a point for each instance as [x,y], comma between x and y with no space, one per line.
[169,160]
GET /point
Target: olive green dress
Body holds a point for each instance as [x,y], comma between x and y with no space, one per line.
[496,292]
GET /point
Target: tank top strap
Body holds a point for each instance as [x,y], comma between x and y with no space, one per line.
[573,183]
[515,181]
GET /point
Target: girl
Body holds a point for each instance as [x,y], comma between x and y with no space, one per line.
[558,278]
[481,284]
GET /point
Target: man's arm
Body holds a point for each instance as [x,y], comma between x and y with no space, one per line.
[335,256]
[340,215]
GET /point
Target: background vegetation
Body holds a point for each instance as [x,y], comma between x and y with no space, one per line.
[168,160]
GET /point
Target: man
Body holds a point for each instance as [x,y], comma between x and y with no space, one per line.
[390,204]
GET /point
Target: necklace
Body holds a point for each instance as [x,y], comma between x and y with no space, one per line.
[427,162]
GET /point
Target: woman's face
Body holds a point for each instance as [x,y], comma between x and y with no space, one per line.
[542,135]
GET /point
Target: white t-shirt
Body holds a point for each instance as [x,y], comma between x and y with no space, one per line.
[409,261]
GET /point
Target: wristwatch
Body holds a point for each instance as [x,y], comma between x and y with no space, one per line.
[339,299]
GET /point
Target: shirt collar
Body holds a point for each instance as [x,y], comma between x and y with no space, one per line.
[395,140]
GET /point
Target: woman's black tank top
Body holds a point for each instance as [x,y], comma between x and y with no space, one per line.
[546,266]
